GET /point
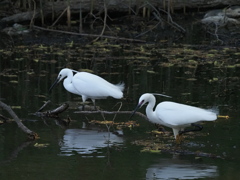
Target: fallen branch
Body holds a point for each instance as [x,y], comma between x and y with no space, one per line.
[31,134]
[52,113]
[89,35]
[112,112]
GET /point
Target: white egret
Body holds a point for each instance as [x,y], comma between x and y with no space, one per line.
[88,85]
[174,115]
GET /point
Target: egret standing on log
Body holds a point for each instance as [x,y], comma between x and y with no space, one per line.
[88,85]
[174,115]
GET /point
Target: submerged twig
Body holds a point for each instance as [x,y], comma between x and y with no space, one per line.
[43,106]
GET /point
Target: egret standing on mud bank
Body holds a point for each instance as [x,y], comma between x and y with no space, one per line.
[88,85]
[174,115]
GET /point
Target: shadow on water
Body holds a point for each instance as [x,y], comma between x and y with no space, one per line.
[192,75]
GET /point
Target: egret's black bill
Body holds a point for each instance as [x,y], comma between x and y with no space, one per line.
[135,110]
[54,84]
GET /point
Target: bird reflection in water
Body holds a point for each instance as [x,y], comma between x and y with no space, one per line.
[176,168]
[86,142]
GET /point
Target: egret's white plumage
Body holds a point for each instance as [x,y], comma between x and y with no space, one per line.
[88,85]
[174,115]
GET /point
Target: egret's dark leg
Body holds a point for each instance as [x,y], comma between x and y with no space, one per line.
[197,128]
[83,106]
[95,108]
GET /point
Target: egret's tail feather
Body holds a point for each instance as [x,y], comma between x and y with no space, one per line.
[120,86]
[214,109]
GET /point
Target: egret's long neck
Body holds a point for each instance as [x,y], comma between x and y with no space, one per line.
[68,79]
[149,110]
[67,83]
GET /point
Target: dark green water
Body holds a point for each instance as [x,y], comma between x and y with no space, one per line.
[77,152]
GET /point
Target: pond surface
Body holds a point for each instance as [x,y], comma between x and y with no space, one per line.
[199,76]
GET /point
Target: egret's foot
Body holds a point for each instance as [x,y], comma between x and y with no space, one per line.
[179,138]
[157,132]
[225,117]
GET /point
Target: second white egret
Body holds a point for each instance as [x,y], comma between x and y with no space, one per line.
[174,115]
[88,85]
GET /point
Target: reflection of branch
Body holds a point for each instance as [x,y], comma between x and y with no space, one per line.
[32,135]
[63,123]
[216,30]
[111,112]
[15,153]
[54,114]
